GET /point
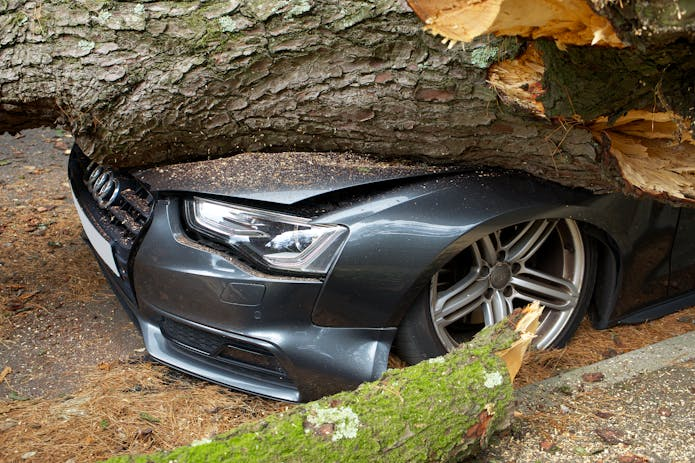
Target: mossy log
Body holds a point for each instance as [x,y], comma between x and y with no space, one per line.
[438,410]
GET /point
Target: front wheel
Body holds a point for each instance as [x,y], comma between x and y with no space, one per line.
[546,260]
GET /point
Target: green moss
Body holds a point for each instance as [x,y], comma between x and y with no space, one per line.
[420,413]
[599,81]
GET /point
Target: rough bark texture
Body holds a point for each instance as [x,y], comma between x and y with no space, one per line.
[140,83]
[595,82]
[622,69]
[146,82]
[439,410]
[652,23]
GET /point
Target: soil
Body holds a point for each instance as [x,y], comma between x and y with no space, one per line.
[58,318]
[75,384]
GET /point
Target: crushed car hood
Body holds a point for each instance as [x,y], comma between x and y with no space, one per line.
[284,178]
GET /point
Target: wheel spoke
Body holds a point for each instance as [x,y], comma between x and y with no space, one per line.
[459,300]
[536,260]
[477,256]
[527,242]
[501,307]
[488,249]
[551,291]
[488,313]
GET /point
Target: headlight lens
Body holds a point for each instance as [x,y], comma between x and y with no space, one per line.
[274,240]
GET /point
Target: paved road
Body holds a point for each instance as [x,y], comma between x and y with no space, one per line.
[643,410]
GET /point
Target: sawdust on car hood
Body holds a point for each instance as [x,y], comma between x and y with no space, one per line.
[284,178]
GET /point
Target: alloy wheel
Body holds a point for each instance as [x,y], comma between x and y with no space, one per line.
[540,260]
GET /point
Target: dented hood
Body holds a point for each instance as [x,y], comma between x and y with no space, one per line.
[284,178]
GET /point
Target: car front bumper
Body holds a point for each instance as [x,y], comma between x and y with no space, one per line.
[203,312]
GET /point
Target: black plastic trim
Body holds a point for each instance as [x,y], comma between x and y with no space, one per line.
[658,310]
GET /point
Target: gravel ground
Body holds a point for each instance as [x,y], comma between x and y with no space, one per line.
[608,413]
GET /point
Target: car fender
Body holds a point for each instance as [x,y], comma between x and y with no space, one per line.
[393,252]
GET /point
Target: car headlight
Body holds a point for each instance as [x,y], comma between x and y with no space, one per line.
[279,241]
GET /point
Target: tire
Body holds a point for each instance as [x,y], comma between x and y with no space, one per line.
[546,259]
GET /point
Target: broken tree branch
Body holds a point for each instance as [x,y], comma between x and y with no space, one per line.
[439,410]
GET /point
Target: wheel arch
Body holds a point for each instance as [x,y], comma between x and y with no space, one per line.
[609,267]
[592,227]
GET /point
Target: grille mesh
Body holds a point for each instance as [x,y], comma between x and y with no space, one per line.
[240,353]
[123,220]
[190,337]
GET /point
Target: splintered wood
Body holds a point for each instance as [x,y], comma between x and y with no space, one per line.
[526,326]
[518,81]
[568,22]
[655,152]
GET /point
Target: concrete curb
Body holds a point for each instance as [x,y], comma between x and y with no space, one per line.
[640,412]
[620,368]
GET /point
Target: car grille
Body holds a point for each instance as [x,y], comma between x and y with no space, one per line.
[117,204]
[192,338]
[123,214]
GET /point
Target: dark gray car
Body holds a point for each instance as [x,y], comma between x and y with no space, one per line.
[293,275]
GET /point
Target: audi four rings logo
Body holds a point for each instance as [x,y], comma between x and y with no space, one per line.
[102,184]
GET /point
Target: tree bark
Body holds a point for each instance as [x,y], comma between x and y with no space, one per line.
[440,410]
[623,70]
[140,83]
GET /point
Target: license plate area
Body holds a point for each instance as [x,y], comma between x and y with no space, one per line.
[101,246]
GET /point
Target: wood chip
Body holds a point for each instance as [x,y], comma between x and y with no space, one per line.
[3,374]
[611,436]
[594,377]
[632,458]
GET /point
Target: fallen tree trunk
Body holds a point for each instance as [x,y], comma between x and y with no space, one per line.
[625,73]
[140,83]
[439,410]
